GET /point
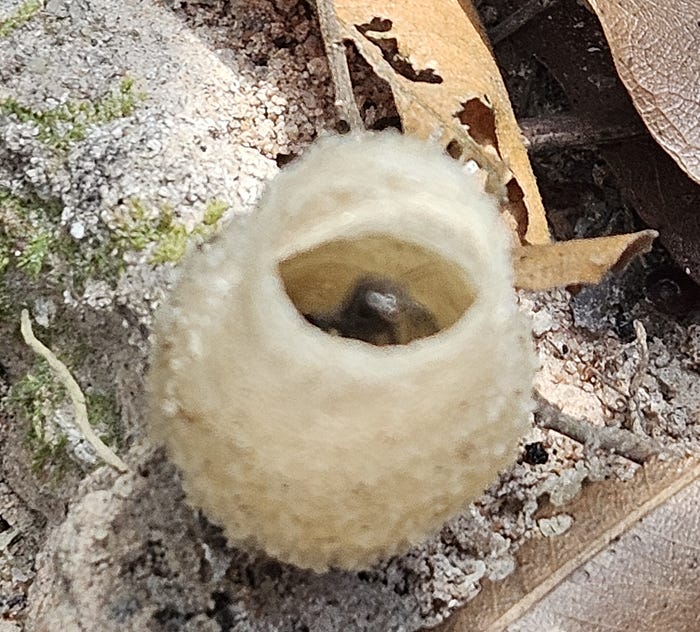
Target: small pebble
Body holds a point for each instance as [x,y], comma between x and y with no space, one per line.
[556,525]
[77,230]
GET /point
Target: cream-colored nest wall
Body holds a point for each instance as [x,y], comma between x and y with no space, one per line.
[327,451]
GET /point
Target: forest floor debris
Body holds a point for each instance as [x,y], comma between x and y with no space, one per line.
[123,129]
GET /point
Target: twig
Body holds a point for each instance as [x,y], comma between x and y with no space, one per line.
[634,419]
[7,538]
[505,28]
[623,442]
[606,381]
[559,131]
[76,395]
[338,63]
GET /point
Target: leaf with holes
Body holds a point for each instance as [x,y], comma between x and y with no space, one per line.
[447,87]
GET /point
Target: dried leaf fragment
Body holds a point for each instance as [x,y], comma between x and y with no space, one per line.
[578,261]
[447,87]
[655,46]
[653,569]
[601,513]
[567,40]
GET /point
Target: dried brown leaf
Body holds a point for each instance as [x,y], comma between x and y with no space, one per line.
[601,513]
[576,262]
[656,48]
[647,580]
[566,38]
[447,87]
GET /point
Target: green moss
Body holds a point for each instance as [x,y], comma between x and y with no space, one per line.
[65,124]
[31,236]
[104,415]
[4,257]
[20,17]
[34,391]
[171,246]
[50,456]
[139,228]
[35,252]
[25,206]
[214,212]
[35,398]
[167,238]
[50,254]
[26,226]
[31,227]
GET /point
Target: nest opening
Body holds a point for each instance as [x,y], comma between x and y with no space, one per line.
[377,288]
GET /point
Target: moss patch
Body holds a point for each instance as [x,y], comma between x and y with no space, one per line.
[20,17]
[35,398]
[162,233]
[30,241]
[4,257]
[65,124]
[35,252]
[104,414]
[30,234]
[33,242]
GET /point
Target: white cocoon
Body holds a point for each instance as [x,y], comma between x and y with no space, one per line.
[326,451]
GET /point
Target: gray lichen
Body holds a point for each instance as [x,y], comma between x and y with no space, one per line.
[68,123]
[19,17]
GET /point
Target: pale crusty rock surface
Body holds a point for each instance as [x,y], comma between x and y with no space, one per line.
[230,88]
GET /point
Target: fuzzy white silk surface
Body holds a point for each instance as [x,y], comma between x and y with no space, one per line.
[327,451]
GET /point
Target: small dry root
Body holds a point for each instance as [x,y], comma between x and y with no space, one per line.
[338,64]
[632,446]
[76,395]
[634,418]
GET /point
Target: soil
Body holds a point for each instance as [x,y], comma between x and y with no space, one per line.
[227,91]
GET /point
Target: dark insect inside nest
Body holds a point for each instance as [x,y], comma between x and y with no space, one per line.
[380,312]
